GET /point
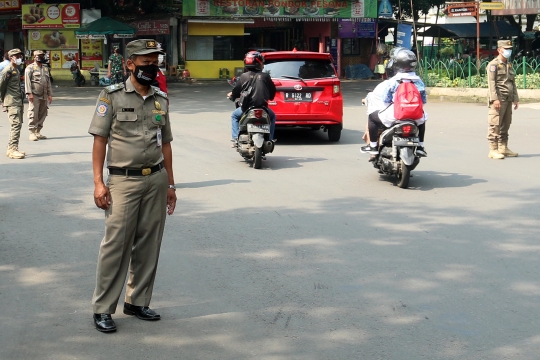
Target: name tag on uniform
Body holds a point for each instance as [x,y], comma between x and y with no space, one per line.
[159,139]
[128,110]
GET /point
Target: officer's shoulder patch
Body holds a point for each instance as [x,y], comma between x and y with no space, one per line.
[159,92]
[492,68]
[112,88]
[102,109]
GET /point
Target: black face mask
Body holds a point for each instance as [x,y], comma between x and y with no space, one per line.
[146,74]
[42,60]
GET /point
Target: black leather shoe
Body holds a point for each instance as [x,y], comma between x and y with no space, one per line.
[141,312]
[104,323]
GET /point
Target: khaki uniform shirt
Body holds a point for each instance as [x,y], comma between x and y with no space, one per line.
[131,125]
[501,81]
[37,80]
[10,86]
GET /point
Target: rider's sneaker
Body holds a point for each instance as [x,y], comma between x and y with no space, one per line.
[420,151]
[369,149]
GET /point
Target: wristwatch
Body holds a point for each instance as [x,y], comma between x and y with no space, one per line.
[172,187]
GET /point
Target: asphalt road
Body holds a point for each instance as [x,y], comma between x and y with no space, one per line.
[315,256]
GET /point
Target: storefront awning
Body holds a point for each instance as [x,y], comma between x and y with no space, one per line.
[468,30]
[105,26]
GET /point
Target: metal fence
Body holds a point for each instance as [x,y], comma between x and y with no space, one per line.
[469,74]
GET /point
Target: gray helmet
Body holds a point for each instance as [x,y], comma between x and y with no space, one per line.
[404,61]
[389,69]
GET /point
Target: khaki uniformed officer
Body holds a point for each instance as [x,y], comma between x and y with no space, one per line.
[37,83]
[133,120]
[11,98]
[501,96]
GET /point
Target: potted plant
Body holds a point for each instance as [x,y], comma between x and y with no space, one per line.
[181,63]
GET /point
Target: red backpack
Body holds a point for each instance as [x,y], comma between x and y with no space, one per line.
[408,102]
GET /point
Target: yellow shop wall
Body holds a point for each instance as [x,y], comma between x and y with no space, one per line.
[210,69]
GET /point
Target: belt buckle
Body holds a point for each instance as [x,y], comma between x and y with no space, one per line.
[146,171]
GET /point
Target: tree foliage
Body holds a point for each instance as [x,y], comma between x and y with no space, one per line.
[402,8]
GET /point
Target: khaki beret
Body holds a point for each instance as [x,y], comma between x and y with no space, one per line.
[14,52]
[143,47]
[506,44]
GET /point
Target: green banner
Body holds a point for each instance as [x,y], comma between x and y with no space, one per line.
[282,8]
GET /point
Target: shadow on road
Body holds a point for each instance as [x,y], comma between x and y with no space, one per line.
[430,180]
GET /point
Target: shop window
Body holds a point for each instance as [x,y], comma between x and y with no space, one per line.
[215,48]
[350,46]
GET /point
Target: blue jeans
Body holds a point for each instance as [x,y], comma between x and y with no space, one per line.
[237,114]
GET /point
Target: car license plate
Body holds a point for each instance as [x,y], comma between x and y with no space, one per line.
[297,96]
[263,128]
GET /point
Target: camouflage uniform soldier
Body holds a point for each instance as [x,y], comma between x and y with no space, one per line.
[501,96]
[37,81]
[131,126]
[11,98]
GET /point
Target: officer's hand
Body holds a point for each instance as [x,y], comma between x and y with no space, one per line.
[50,99]
[171,201]
[497,105]
[30,97]
[516,105]
[102,196]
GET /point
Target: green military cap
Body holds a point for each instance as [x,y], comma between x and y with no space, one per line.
[39,52]
[14,52]
[506,44]
[143,47]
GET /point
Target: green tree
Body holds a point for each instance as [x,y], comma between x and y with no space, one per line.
[402,8]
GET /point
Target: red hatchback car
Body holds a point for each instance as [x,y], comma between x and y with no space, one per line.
[308,91]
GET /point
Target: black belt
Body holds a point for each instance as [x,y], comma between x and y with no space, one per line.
[136,172]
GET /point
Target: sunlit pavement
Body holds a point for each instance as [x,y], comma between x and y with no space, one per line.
[315,256]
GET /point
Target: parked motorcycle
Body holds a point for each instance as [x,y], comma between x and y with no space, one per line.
[397,151]
[254,133]
[77,75]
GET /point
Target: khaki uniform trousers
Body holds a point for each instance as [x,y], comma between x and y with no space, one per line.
[499,122]
[15,115]
[134,226]
[37,112]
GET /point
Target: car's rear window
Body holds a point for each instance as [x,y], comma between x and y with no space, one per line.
[305,69]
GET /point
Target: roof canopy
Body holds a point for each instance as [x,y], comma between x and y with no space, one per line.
[468,30]
[105,26]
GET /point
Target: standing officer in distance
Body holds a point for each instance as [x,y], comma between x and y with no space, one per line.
[12,102]
[501,96]
[37,84]
[133,121]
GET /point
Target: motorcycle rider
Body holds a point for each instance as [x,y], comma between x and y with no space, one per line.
[262,91]
[402,63]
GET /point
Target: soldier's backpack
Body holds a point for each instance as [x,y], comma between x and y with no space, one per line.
[408,102]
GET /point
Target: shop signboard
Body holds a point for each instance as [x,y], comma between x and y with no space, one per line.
[9,5]
[151,27]
[345,9]
[511,7]
[123,36]
[45,39]
[404,32]
[94,36]
[63,59]
[91,53]
[347,29]
[385,9]
[48,16]
[462,9]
